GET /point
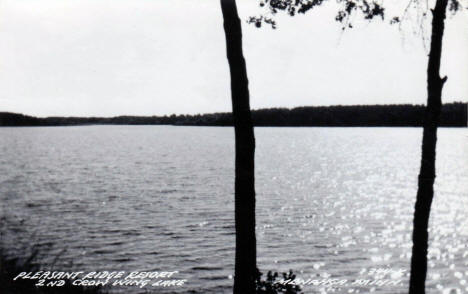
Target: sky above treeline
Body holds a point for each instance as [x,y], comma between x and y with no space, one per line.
[142,57]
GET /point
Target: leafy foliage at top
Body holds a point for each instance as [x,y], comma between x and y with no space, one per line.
[368,9]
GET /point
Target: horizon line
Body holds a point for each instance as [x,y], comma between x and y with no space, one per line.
[223,112]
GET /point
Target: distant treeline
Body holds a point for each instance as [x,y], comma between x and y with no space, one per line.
[453,115]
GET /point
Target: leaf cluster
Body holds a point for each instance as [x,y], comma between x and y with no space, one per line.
[368,9]
[270,285]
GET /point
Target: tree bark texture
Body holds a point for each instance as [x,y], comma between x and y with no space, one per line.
[245,259]
[427,172]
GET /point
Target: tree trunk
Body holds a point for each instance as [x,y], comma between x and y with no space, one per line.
[427,173]
[245,260]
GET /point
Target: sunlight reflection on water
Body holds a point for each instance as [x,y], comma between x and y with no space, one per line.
[331,202]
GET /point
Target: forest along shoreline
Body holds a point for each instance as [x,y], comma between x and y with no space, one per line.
[398,115]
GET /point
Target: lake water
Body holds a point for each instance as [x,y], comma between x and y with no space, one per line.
[331,202]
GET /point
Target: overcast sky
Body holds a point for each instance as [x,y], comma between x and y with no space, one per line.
[154,57]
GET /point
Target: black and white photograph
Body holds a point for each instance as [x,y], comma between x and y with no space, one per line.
[233,146]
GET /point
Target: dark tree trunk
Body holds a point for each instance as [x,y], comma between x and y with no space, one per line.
[245,260]
[427,173]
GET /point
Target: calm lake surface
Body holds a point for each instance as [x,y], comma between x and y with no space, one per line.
[331,202]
